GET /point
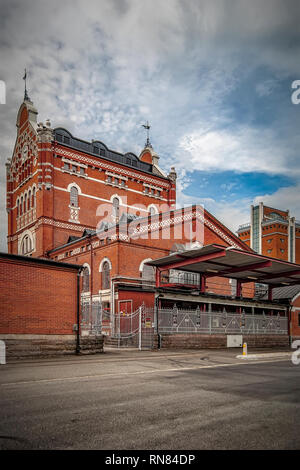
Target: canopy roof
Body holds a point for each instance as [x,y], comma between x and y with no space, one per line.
[217,260]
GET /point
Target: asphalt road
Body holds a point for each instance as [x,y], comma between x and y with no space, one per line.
[151,400]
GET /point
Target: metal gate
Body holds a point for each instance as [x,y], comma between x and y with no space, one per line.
[135,329]
[147,326]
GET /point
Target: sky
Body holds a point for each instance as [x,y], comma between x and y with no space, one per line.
[213,78]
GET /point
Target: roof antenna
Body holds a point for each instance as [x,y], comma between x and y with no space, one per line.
[26,97]
[147,127]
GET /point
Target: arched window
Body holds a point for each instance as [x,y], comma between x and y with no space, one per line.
[18,208]
[116,207]
[148,273]
[21,207]
[105,275]
[33,198]
[25,203]
[29,200]
[26,245]
[74,197]
[85,279]
[152,210]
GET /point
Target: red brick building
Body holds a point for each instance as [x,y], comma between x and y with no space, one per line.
[272,232]
[56,182]
[82,203]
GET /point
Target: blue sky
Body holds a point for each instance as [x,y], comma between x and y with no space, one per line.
[213,78]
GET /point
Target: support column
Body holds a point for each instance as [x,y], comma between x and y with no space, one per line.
[157,277]
[202,283]
[238,288]
[270,293]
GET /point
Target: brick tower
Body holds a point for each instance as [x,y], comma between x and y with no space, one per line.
[56,183]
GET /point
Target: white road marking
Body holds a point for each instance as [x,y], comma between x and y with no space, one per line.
[151,371]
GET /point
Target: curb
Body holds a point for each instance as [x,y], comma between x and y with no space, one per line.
[258,356]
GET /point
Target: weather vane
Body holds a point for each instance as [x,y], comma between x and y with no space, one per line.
[26,97]
[147,127]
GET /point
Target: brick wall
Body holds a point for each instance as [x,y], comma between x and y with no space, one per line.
[38,309]
[36,298]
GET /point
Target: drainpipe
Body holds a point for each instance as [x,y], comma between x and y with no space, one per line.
[78,312]
[157,301]
[289,312]
[112,306]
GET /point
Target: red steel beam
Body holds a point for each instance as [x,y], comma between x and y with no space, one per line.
[248,267]
[198,259]
[287,283]
[284,274]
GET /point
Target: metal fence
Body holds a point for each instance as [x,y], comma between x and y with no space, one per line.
[91,315]
[194,321]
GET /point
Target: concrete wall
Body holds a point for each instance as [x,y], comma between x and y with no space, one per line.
[41,346]
[195,341]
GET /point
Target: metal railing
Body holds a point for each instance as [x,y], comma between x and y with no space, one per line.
[195,321]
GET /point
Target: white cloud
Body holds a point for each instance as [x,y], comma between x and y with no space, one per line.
[101,69]
[285,198]
[244,149]
[230,213]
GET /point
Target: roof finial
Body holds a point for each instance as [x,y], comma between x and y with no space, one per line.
[26,97]
[147,127]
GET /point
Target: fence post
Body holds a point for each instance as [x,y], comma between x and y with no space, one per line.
[2,352]
[140,328]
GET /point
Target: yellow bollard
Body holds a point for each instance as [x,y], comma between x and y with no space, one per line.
[245,349]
